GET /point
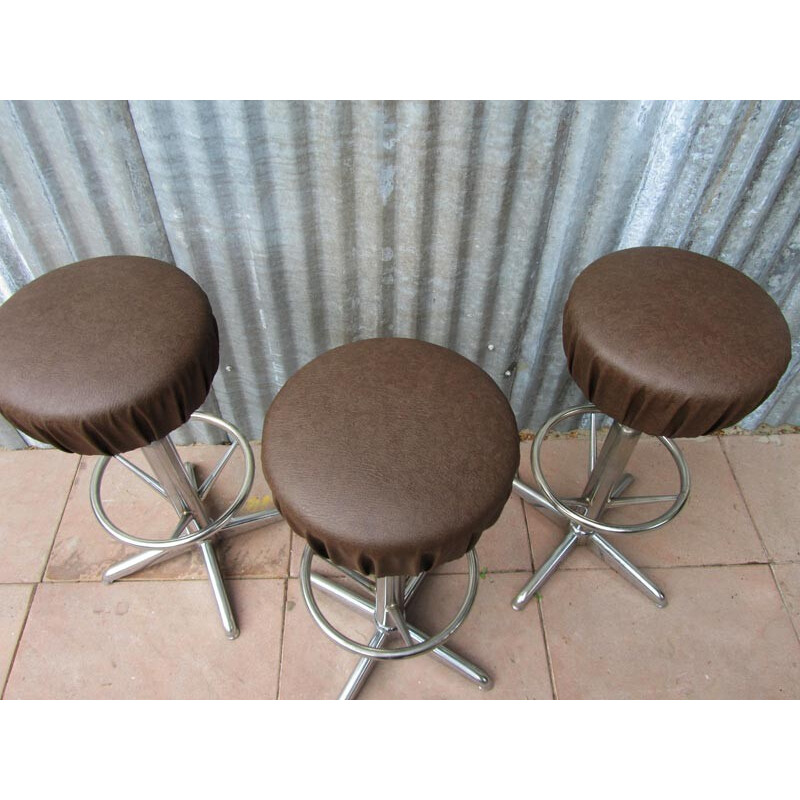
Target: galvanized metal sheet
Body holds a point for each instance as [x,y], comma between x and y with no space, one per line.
[73,185]
[311,224]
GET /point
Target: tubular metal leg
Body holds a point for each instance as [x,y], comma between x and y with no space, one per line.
[355,683]
[611,556]
[212,567]
[624,482]
[546,570]
[365,665]
[607,480]
[218,588]
[137,561]
[180,484]
[534,498]
[147,558]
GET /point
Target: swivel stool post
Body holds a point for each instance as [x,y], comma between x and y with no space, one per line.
[664,342]
[390,457]
[110,355]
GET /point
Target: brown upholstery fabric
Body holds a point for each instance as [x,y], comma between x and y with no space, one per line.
[390,456]
[106,355]
[673,343]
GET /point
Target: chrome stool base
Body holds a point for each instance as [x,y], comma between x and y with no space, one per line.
[603,550]
[385,601]
[176,481]
[607,480]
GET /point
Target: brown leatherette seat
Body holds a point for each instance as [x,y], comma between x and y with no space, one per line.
[671,342]
[106,355]
[390,456]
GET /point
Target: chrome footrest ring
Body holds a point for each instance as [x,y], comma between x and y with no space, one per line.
[593,524]
[383,653]
[195,536]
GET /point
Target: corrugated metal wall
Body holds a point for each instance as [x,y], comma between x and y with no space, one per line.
[311,224]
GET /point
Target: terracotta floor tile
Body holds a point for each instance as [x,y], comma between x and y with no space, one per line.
[312,666]
[768,471]
[154,640]
[509,647]
[788,578]
[298,546]
[725,634]
[14,602]
[83,550]
[564,464]
[34,485]
[505,547]
[502,548]
[712,528]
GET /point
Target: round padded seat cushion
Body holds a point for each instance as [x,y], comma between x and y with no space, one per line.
[673,343]
[106,355]
[390,456]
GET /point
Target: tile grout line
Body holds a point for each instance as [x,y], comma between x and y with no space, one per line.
[40,582]
[550,673]
[744,500]
[783,600]
[60,519]
[599,568]
[283,636]
[770,562]
[528,534]
[19,638]
[602,567]
[285,601]
[137,581]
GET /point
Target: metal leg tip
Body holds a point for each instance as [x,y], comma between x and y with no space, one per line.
[522,600]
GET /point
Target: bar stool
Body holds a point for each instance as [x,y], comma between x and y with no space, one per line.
[110,355]
[390,457]
[664,342]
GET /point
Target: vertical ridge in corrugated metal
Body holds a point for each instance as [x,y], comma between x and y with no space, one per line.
[311,224]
